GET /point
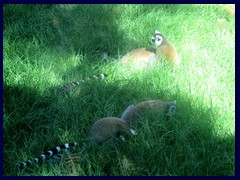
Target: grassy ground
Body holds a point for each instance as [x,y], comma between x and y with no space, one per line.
[47,46]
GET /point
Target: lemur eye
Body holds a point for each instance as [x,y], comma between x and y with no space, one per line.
[158,38]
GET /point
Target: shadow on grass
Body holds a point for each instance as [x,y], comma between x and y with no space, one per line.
[79,28]
[185,144]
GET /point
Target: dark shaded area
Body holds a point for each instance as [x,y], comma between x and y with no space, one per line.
[151,50]
[90,33]
[88,30]
[32,116]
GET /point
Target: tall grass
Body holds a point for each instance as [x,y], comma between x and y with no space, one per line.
[46,46]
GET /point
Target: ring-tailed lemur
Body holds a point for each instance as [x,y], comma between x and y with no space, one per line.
[133,113]
[144,57]
[50,153]
[102,130]
[110,128]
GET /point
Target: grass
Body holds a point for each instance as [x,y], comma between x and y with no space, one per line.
[46,46]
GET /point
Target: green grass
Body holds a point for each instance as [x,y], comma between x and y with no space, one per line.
[48,46]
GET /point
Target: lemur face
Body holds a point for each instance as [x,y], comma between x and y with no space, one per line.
[157,38]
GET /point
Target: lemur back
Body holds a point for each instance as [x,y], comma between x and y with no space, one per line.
[145,57]
[46,155]
[110,128]
[140,58]
[155,107]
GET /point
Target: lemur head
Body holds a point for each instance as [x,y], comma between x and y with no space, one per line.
[157,38]
[171,108]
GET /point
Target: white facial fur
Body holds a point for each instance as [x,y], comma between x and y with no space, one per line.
[158,40]
[133,132]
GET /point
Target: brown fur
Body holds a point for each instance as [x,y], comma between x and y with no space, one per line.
[139,58]
[155,107]
[168,52]
[109,128]
[144,57]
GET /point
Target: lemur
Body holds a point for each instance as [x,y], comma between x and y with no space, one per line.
[155,107]
[145,57]
[112,128]
[109,128]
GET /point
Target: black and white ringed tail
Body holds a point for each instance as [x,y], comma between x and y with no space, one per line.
[48,154]
[68,86]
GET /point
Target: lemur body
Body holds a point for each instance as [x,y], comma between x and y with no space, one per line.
[144,57]
[110,128]
[155,107]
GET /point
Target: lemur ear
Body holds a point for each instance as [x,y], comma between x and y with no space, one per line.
[157,32]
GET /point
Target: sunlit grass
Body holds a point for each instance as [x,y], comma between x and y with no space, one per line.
[47,46]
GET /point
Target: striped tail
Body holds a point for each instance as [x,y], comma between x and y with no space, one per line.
[48,154]
[66,87]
